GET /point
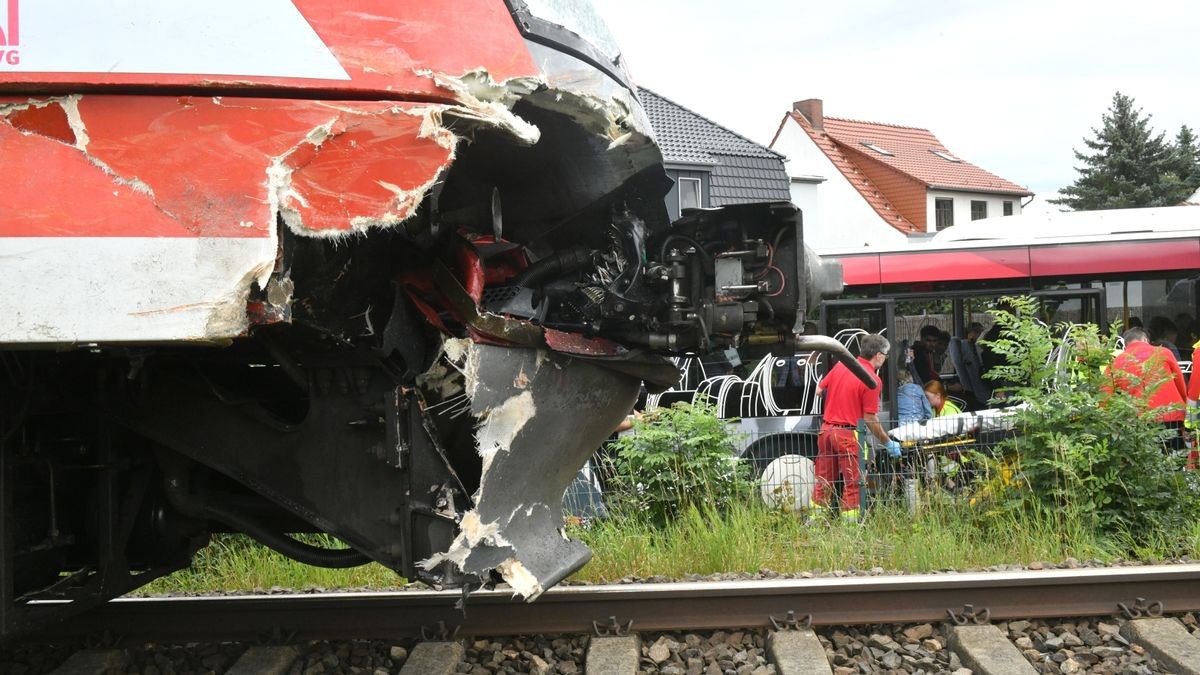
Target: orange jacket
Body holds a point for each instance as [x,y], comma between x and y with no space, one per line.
[1141,365]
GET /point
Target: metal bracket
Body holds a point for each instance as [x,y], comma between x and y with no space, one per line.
[970,615]
[439,633]
[790,622]
[611,629]
[1141,609]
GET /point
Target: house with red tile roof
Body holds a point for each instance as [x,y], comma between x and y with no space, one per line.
[875,184]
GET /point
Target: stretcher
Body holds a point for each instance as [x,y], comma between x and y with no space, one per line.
[939,451]
[968,424]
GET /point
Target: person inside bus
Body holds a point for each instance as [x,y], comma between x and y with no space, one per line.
[1187,331]
[1164,334]
[911,404]
[990,359]
[923,351]
[974,332]
[1151,372]
[935,392]
[941,350]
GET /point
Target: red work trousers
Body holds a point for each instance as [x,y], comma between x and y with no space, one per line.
[837,454]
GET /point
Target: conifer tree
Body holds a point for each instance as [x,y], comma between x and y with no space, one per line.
[1129,165]
[1186,160]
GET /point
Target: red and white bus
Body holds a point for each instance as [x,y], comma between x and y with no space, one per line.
[1093,266]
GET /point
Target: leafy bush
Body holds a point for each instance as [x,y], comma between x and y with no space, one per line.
[677,458]
[1083,450]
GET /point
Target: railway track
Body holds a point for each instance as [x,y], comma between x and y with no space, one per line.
[965,605]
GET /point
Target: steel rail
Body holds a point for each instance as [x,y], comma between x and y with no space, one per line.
[651,607]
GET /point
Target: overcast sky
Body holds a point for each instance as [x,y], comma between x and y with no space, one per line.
[1010,86]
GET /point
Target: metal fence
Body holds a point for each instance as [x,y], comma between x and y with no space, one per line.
[941,459]
[942,455]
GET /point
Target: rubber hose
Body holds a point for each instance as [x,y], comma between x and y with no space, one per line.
[662,250]
[553,266]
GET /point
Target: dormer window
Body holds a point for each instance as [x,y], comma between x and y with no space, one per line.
[876,148]
[945,155]
[690,193]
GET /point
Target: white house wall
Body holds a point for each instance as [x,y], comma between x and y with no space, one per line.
[962,205]
[842,218]
[805,195]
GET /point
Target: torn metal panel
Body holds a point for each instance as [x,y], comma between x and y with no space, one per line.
[195,184]
[519,399]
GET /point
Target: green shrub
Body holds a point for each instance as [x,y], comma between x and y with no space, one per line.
[1083,451]
[676,458]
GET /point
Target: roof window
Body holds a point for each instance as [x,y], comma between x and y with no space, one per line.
[945,155]
[876,148]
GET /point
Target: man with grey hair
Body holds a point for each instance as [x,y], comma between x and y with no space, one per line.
[1151,373]
[847,400]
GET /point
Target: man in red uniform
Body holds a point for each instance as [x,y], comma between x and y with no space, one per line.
[847,400]
[1152,373]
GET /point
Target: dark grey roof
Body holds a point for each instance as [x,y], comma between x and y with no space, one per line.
[742,170]
[738,180]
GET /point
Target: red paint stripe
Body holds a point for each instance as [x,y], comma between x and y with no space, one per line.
[1007,263]
[860,270]
[1020,262]
[192,167]
[50,190]
[1116,258]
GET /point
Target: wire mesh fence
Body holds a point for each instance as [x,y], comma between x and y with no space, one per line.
[791,470]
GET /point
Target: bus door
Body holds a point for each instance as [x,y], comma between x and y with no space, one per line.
[847,319]
[1074,305]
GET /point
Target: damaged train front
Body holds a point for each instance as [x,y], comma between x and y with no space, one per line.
[393,282]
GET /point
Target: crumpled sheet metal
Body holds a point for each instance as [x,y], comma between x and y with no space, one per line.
[148,218]
[539,416]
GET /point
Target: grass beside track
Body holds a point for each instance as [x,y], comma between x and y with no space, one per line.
[234,562]
[749,538]
[743,538]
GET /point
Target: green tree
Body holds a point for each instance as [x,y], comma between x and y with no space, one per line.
[1128,166]
[1186,159]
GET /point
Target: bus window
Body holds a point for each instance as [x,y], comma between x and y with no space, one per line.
[848,320]
[1072,305]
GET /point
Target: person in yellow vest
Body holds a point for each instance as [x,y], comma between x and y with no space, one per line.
[935,391]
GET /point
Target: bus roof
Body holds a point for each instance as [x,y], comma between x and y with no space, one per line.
[1095,244]
[1052,227]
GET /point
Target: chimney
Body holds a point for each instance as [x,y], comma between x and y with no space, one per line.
[813,111]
